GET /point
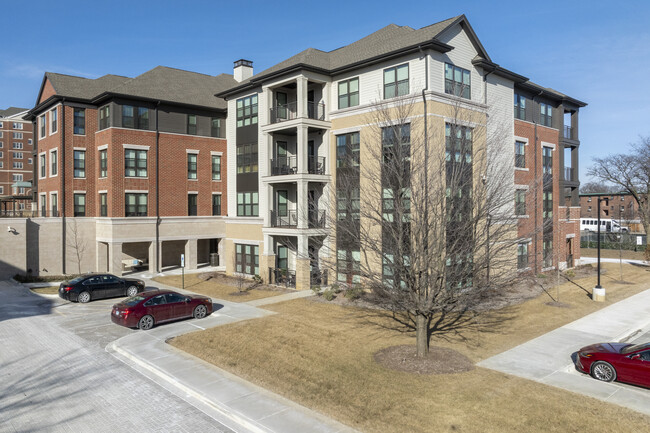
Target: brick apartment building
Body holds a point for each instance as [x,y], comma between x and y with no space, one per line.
[619,206]
[130,169]
[289,125]
[16,162]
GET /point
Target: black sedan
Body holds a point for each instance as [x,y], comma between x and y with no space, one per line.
[98,286]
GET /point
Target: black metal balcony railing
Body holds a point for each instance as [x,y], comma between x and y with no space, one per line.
[568,173]
[281,276]
[283,165]
[9,213]
[316,219]
[288,219]
[284,112]
[318,277]
[316,165]
[568,132]
[316,110]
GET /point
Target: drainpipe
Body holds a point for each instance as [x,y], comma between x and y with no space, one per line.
[426,159]
[488,222]
[62,205]
[157,191]
[535,150]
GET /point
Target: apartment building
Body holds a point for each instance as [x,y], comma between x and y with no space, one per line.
[16,162]
[129,170]
[620,206]
[293,129]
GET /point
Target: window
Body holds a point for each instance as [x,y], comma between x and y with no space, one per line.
[391,137]
[17,125]
[18,165]
[18,135]
[128,118]
[103,204]
[104,117]
[216,204]
[79,205]
[216,167]
[283,203]
[396,81]
[42,165]
[43,201]
[347,150]
[103,163]
[80,121]
[79,163]
[53,163]
[142,119]
[191,165]
[54,204]
[520,154]
[545,114]
[522,255]
[547,204]
[29,160]
[29,140]
[247,259]
[135,204]
[348,266]
[247,158]
[547,160]
[247,204]
[54,125]
[396,202]
[41,124]
[588,208]
[457,81]
[192,204]
[18,155]
[2,189]
[520,202]
[16,177]
[191,124]
[547,252]
[283,257]
[348,203]
[247,111]
[520,107]
[215,128]
[135,163]
[349,92]
[17,145]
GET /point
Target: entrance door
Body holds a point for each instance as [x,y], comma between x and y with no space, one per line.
[281,100]
[569,253]
[311,107]
[281,165]
[311,160]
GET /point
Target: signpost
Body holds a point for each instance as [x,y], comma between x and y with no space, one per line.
[183,270]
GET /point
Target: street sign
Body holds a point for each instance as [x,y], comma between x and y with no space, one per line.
[182,260]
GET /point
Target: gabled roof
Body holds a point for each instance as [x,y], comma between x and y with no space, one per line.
[12,111]
[80,87]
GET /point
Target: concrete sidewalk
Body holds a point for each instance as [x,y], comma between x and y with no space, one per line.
[548,358]
[215,391]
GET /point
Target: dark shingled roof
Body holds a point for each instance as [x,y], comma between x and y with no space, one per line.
[12,111]
[161,83]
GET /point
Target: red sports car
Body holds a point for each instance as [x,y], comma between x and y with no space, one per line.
[147,309]
[623,362]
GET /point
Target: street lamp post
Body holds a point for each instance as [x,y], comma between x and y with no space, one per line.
[598,293]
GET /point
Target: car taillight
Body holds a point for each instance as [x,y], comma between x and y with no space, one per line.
[67,288]
[126,312]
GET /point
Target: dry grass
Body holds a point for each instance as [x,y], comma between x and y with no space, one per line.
[321,355]
[51,290]
[220,288]
[612,254]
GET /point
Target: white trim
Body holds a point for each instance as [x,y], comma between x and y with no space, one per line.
[102,147]
[216,193]
[525,187]
[39,165]
[56,149]
[42,118]
[245,242]
[79,192]
[214,152]
[135,146]
[522,139]
[346,130]
[102,191]
[136,191]
[79,148]
[193,192]
[193,151]
[522,169]
[245,220]
[547,144]
[522,216]
[55,108]
[570,236]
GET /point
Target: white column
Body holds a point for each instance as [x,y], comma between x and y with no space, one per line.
[265,105]
[302,206]
[326,151]
[301,148]
[302,83]
[303,247]
[268,245]
[327,100]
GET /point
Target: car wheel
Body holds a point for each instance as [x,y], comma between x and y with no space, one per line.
[83,297]
[146,322]
[604,371]
[200,311]
[132,291]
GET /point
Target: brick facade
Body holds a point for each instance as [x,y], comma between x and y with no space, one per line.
[10,146]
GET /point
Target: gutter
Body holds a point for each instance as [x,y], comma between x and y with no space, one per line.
[63,201]
[158,259]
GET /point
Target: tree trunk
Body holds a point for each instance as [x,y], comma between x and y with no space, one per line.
[421,335]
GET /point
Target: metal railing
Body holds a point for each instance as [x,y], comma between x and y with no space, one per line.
[289,111]
[28,213]
[316,165]
[283,165]
[316,110]
[318,277]
[316,219]
[281,276]
[290,219]
[568,132]
[568,173]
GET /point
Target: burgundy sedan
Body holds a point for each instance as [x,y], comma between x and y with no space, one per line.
[150,308]
[623,362]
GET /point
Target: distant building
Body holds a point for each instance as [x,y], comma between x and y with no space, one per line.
[16,162]
[620,206]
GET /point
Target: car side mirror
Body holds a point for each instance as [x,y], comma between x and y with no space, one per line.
[187,300]
[636,356]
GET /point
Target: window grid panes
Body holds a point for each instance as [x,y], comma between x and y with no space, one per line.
[349,93]
[104,117]
[135,204]
[216,204]
[247,158]
[79,163]
[347,150]
[216,167]
[520,154]
[53,163]
[103,163]
[191,124]
[192,207]
[135,163]
[247,204]
[396,81]
[191,165]
[520,107]
[247,259]
[79,205]
[80,121]
[247,111]
[520,202]
[103,204]
[457,81]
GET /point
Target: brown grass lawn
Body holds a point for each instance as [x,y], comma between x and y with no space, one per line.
[612,254]
[51,290]
[321,355]
[219,288]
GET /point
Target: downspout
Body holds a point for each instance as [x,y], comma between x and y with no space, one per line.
[426,162]
[488,222]
[158,249]
[63,223]
[535,150]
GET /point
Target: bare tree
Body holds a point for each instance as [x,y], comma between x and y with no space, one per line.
[76,242]
[597,188]
[426,219]
[630,172]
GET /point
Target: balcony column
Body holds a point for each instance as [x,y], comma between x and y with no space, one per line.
[302,84]
[266,101]
[265,154]
[302,207]
[269,203]
[327,100]
[115,258]
[303,271]
[268,258]
[301,148]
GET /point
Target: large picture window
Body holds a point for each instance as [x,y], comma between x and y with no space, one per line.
[247,259]
[247,204]
[247,158]
[247,111]
[349,93]
[457,81]
[396,81]
[135,163]
[135,117]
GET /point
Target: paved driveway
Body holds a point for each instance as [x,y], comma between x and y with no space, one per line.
[55,375]
[548,358]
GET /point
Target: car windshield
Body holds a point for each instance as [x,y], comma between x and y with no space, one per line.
[634,348]
[133,300]
[76,280]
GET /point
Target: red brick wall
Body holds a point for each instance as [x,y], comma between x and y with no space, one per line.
[47,92]
[7,140]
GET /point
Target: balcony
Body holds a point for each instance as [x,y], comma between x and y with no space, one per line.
[568,174]
[285,112]
[568,132]
[284,165]
[316,219]
[289,219]
[316,165]
[282,277]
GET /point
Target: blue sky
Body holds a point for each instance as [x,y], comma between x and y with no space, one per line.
[596,51]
